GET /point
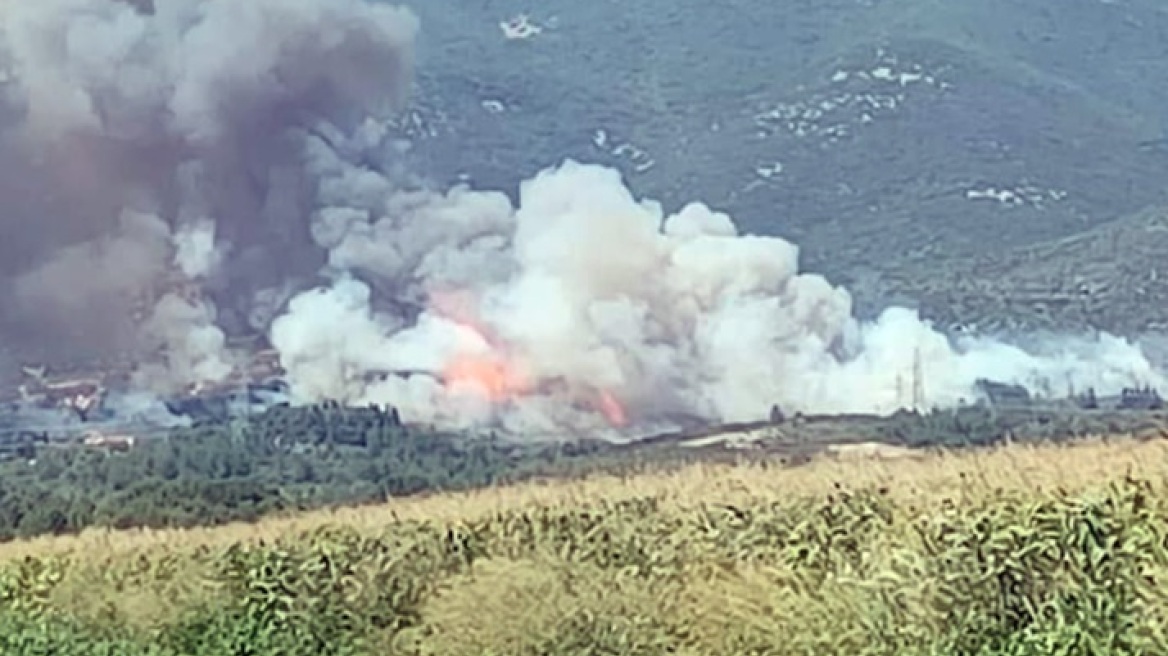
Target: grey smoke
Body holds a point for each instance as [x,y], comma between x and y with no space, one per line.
[141,408]
[73,285]
[214,160]
[582,289]
[152,142]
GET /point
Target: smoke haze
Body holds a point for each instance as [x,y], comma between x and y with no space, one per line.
[149,147]
[174,176]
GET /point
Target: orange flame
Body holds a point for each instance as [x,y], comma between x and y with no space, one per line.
[612,409]
[497,378]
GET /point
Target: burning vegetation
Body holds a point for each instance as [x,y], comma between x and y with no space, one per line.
[80,396]
[195,175]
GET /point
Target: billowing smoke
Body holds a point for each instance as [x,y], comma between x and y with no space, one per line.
[150,178]
[583,307]
[219,157]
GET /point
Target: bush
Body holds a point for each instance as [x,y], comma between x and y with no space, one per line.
[852,572]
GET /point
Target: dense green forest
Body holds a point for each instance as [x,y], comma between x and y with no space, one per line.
[282,460]
[288,459]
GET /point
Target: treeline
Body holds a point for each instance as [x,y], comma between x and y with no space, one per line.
[289,459]
[285,459]
[984,425]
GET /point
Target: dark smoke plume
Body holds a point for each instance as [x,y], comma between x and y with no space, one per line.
[149,147]
[177,172]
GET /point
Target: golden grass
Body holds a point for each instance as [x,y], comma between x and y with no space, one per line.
[1016,467]
[718,590]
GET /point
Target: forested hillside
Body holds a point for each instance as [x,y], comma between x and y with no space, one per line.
[917,151]
[296,458]
[284,459]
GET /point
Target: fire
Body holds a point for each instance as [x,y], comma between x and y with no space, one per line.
[612,409]
[498,379]
[499,376]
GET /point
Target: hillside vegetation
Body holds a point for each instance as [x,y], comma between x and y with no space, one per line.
[290,459]
[1019,550]
[907,146]
[224,470]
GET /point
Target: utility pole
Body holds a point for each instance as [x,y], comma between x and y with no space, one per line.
[918,391]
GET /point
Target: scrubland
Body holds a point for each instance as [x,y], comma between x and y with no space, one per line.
[1017,550]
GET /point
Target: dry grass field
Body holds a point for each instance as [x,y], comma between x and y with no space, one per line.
[1031,469]
[1007,551]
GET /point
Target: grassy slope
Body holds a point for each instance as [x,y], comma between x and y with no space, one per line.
[707,560]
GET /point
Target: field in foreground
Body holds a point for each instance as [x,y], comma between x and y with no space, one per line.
[1018,550]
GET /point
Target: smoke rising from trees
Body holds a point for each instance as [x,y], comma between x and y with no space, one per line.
[176,174]
[144,147]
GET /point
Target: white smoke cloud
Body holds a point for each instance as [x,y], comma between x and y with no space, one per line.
[193,349]
[236,147]
[534,313]
[196,253]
